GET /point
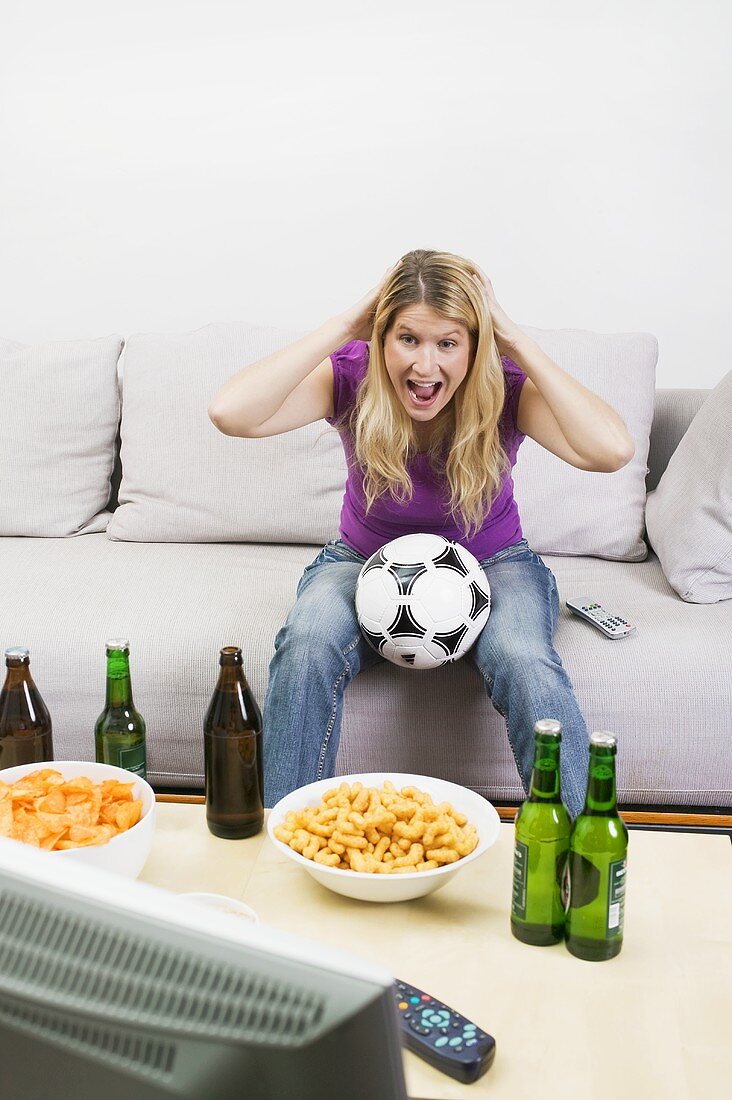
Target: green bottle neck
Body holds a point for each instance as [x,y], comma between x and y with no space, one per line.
[602,798]
[545,785]
[119,686]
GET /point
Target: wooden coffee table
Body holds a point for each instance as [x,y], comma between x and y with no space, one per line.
[653,1022]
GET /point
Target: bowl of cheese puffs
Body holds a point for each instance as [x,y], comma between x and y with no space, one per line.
[383,836]
[97,814]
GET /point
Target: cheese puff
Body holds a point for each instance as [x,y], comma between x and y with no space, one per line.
[361,800]
[283,834]
[327,858]
[357,819]
[395,849]
[334,846]
[413,829]
[443,855]
[427,865]
[414,794]
[467,842]
[372,834]
[384,821]
[412,858]
[343,825]
[358,861]
[310,850]
[460,819]
[404,811]
[300,840]
[388,857]
[381,848]
[350,841]
[404,844]
[321,830]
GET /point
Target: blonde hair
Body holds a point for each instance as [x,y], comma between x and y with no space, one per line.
[385,439]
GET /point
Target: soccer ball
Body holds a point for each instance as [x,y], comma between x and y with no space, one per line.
[422,600]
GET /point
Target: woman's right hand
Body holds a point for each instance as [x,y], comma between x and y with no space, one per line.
[359,320]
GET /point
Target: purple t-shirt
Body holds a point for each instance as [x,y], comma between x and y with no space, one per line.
[429,508]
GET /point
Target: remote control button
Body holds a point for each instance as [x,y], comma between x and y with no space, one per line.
[425,997]
[441,1041]
[402,1005]
[470,1042]
[456,1041]
[414,1000]
[416,1026]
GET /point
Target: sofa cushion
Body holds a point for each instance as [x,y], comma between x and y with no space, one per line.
[178,604]
[183,481]
[58,422]
[689,515]
[575,512]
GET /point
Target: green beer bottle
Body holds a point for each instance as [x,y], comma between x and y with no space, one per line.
[598,849]
[119,734]
[541,845]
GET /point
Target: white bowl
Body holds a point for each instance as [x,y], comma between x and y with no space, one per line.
[372,887]
[224,904]
[126,853]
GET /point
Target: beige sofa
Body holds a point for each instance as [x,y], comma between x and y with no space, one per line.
[211,534]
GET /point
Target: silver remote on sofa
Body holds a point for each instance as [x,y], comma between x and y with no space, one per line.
[612,626]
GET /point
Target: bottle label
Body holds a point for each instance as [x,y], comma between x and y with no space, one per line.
[520,872]
[616,898]
[133,760]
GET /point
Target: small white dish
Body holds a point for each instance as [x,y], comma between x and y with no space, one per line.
[223,904]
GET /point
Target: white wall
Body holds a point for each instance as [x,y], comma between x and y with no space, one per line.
[165,164]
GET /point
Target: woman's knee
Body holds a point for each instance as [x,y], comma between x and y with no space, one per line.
[319,630]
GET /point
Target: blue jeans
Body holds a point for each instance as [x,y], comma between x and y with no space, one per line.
[320,649]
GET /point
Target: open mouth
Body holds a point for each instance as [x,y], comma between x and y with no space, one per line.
[422,394]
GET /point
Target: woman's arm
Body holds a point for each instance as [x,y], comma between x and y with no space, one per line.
[248,403]
[555,409]
[565,417]
[293,387]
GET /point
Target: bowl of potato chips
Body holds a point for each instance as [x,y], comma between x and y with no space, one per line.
[80,811]
[383,836]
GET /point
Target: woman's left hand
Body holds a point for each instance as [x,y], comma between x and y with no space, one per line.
[505,331]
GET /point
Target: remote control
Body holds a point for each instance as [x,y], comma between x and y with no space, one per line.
[440,1035]
[612,626]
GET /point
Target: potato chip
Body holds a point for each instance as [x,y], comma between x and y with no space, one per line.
[47,811]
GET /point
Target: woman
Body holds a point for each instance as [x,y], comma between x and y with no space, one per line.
[431,413]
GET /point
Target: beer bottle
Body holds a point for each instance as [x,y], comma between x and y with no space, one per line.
[598,848]
[119,733]
[232,730]
[541,845]
[25,724]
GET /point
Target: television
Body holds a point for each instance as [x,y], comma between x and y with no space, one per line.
[113,989]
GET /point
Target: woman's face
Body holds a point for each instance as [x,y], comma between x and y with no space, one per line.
[427,357]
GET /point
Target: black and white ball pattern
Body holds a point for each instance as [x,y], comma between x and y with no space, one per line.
[422,600]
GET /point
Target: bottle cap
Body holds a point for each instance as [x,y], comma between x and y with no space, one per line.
[117,643]
[17,653]
[548,726]
[604,739]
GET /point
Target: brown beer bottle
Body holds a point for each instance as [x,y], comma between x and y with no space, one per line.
[233,754]
[25,724]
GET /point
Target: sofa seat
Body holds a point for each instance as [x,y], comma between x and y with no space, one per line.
[665,691]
